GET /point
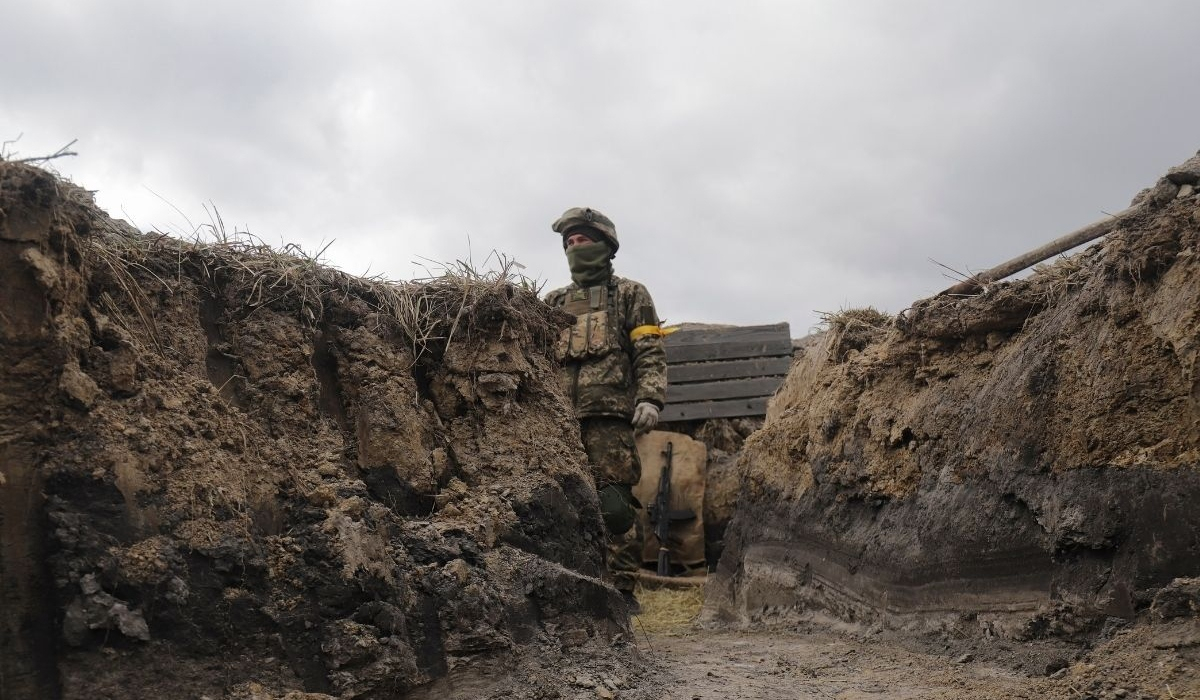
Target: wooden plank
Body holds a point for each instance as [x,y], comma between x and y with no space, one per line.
[688,580]
[727,369]
[736,334]
[729,351]
[735,389]
[715,409]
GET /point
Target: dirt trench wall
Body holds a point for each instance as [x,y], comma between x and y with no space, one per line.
[228,472]
[33,249]
[1024,462]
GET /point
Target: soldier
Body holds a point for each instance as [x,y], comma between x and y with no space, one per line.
[615,374]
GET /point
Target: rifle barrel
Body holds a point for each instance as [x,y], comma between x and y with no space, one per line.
[662,508]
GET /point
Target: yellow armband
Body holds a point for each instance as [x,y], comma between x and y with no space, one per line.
[650,330]
[645,330]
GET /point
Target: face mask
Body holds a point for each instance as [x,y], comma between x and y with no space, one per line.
[589,263]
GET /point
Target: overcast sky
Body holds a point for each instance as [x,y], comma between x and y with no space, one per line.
[763,160]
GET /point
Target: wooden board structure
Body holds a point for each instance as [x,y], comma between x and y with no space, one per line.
[725,372]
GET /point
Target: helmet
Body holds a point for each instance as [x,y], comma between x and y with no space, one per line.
[583,217]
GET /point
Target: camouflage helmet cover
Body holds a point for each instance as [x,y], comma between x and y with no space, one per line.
[585,217]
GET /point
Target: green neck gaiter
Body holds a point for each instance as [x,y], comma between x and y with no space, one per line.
[590,263]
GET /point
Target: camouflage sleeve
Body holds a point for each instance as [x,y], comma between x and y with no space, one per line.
[648,357]
[555,297]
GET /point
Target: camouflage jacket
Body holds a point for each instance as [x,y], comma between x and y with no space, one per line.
[612,358]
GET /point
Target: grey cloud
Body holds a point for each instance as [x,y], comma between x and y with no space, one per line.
[762,160]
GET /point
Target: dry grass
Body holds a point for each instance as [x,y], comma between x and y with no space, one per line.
[666,610]
[1061,275]
[853,329]
[253,274]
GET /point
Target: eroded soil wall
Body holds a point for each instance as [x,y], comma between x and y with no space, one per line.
[34,245]
[1025,462]
[231,473]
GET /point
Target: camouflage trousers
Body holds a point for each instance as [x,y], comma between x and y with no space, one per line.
[613,456]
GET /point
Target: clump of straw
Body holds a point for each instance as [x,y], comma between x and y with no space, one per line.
[853,329]
[668,610]
[1061,275]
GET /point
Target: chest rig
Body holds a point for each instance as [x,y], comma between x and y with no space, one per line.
[595,332]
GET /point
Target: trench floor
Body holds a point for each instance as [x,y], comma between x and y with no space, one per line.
[706,665]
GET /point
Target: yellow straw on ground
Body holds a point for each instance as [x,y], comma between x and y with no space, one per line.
[667,610]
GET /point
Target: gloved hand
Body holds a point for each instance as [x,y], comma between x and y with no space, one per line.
[645,417]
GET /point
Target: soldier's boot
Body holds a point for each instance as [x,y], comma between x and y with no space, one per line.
[624,561]
[618,507]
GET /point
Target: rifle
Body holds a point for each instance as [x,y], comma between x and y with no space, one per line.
[661,515]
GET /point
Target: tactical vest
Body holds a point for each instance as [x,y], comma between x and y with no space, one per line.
[595,332]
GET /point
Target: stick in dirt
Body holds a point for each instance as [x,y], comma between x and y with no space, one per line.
[976,283]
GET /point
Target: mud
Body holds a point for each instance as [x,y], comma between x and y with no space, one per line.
[821,661]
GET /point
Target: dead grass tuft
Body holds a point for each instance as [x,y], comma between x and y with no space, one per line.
[428,312]
[1059,276]
[853,329]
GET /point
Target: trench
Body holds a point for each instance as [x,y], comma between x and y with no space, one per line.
[904,559]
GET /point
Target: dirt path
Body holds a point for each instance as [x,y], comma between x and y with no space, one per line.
[777,665]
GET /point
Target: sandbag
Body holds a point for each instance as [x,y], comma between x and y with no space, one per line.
[689,460]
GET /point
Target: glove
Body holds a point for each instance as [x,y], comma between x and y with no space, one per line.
[645,417]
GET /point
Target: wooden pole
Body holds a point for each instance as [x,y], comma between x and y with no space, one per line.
[1088,233]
